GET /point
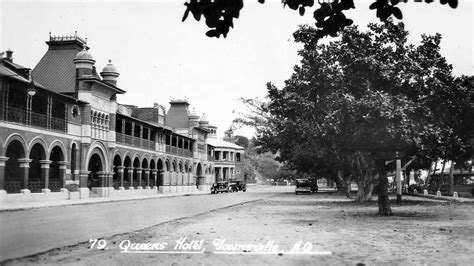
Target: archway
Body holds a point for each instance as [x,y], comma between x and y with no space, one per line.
[136,166]
[13,174]
[35,178]
[153,173]
[167,179]
[116,178]
[73,161]
[126,172]
[55,174]
[199,178]
[160,173]
[174,174]
[145,180]
[180,174]
[95,166]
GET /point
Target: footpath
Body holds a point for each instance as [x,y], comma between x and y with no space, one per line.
[32,205]
[17,206]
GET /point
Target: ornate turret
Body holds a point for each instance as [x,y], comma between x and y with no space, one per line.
[193,119]
[84,63]
[110,74]
[203,121]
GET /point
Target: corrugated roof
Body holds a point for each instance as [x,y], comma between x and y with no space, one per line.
[219,143]
[56,70]
[5,71]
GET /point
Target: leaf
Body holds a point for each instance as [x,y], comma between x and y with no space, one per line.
[453,3]
[397,13]
[185,16]
[301,10]
[212,33]
[374,5]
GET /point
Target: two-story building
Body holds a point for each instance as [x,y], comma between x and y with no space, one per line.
[63,135]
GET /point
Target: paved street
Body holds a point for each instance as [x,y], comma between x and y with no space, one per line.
[280,229]
[37,230]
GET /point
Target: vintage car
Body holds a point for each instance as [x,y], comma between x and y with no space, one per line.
[221,186]
[304,185]
[237,185]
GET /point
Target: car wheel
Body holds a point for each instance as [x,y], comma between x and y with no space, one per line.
[244,190]
[296,193]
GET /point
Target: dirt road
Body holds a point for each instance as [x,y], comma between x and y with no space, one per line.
[269,230]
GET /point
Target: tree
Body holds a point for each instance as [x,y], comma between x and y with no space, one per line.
[354,103]
[260,166]
[330,19]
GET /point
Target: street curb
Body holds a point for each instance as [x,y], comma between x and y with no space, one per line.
[103,200]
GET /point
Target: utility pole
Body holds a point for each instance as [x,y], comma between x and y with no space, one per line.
[398,178]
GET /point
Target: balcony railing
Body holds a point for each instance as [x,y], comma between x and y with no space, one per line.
[178,151]
[134,141]
[39,120]
[16,115]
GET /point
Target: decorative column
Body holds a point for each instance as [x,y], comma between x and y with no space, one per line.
[29,101]
[83,189]
[24,171]
[160,178]
[102,178]
[146,172]
[139,176]
[153,177]
[110,180]
[45,174]
[62,172]
[120,176]
[3,159]
[130,178]
[83,177]
[49,112]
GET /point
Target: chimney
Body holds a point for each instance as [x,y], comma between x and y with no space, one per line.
[9,55]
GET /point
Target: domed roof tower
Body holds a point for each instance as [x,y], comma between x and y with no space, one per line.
[84,59]
[110,74]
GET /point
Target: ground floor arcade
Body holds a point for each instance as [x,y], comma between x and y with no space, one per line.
[41,165]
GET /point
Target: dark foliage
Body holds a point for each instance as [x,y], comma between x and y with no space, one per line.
[329,16]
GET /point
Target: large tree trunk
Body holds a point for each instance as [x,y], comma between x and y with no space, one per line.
[360,189]
[364,190]
[451,179]
[383,199]
[441,176]
[428,177]
[343,184]
[369,191]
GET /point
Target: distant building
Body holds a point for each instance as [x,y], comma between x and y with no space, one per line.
[62,130]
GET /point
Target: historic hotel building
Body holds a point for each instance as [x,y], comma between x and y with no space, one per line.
[63,135]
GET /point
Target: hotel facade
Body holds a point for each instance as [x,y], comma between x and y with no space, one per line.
[63,135]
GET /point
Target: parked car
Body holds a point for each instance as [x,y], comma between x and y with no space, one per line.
[237,186]
[221,186]
[304,185]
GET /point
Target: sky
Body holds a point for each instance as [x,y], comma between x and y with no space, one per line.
[161,58]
